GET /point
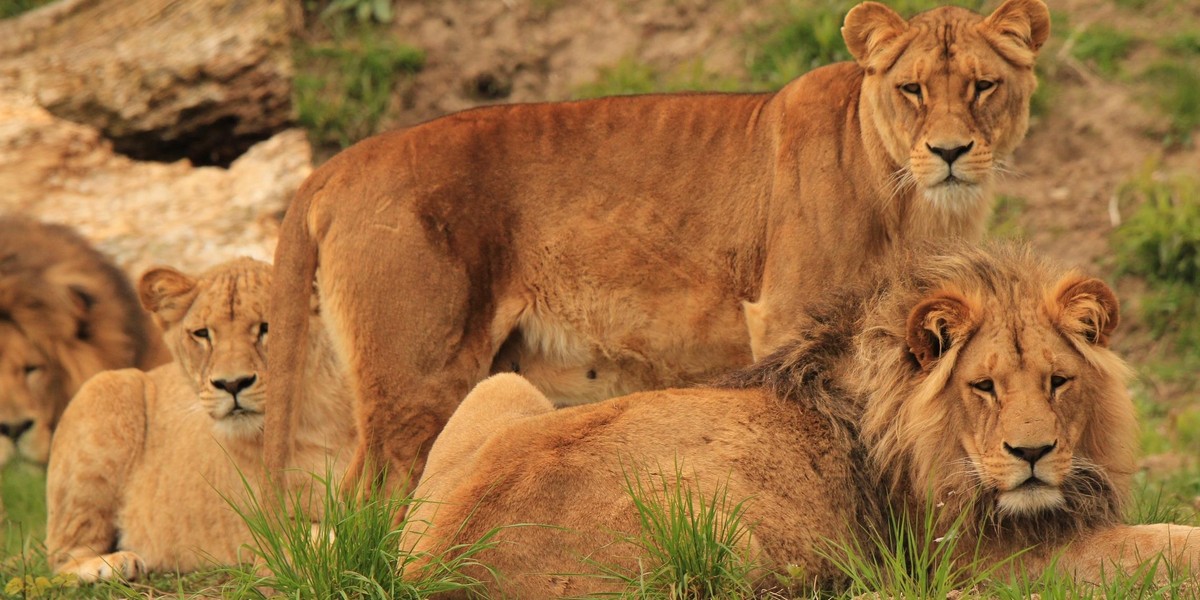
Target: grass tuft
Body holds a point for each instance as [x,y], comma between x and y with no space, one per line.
[1175,89]
[629,76]
[1104,48]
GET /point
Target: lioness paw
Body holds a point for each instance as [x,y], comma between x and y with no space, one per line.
[122,565]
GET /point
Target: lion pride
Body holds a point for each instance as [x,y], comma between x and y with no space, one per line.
[66,313]
[670,237]
[970,383]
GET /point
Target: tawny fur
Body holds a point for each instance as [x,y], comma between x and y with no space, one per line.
[877,408]
[631,231]
[66,313]
[142,460]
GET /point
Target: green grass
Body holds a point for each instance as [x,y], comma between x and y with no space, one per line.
[23,496]
[629,76]
[12,8]
[344,88]
[1174,88]
[694,543]
[1005,222]
[1104,48]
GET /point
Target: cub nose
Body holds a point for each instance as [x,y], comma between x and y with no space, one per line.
[15,429]
[233,386]
[950,153]
[1030,454]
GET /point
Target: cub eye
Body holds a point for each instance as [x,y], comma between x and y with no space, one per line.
[911,88]
[984,385]
[1057,381]
[201,333]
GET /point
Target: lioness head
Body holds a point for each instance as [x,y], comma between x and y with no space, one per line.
[1024,387]
[948,90]
[216,327]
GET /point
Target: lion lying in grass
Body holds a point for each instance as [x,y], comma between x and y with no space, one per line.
[672,236]
[66,313]
[141,460]
[980,382]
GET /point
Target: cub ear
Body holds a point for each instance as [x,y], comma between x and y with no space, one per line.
[868,27]
[1086,307]
[1020,27]
[934,325]
[166,293]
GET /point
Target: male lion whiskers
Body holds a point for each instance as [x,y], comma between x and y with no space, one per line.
[667,238]
[972,385]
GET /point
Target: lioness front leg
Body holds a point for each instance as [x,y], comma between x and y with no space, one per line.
[120,565]
[1171,550]
[99,440]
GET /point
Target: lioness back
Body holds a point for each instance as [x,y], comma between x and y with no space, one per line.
[66,313]
[656,240]
[177,445]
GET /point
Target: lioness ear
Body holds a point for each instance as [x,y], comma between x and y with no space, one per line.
[166,293]
[1086,307]
[868,27]
[934,325]
[1019,28]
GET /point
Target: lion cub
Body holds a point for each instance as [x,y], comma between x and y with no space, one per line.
[141,461]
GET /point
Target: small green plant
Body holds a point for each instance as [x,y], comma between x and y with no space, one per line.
[352,551]
[365,11]
[343,88]
[1005,222]
[12,8]
[1175,89]
[694,544]
[630,76]
[1103,47]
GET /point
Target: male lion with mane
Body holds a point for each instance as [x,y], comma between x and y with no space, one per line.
[142,461]
[673,236]
[976,383]
[66,313]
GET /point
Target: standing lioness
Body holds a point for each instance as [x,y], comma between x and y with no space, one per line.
[669,237]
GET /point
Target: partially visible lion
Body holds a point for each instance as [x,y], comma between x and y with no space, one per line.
[675,236]
[66,313]
[974,382]
[141,460]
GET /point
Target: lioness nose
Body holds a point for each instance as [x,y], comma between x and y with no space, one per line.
[233,386]
[950,154]
[16,429]
[1031,454]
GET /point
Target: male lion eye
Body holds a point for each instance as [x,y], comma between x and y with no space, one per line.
[984,385]
[911,88]
[201,333]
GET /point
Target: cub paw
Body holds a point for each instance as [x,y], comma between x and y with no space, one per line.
[122,565]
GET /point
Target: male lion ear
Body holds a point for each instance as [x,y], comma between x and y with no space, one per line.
[933,326]
[1019,29]
[868,27]
[166,293]
[1086,307]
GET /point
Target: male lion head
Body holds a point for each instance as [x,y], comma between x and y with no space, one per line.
[948,91]
[1000,390]
[216,327]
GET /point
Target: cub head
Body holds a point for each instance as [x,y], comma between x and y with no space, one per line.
[988,379]
[948,91]
[216,328]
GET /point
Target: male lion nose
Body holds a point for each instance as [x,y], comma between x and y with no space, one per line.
[14,430]
[951,154]
[233,386]
[1031,454]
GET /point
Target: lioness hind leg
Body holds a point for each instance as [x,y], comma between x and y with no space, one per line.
[411,355]
[122,565]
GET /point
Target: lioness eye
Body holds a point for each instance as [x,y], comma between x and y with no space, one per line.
[911,88]
[201,333]
[30,369]
[1057,381]
[984,85]
[984,385]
